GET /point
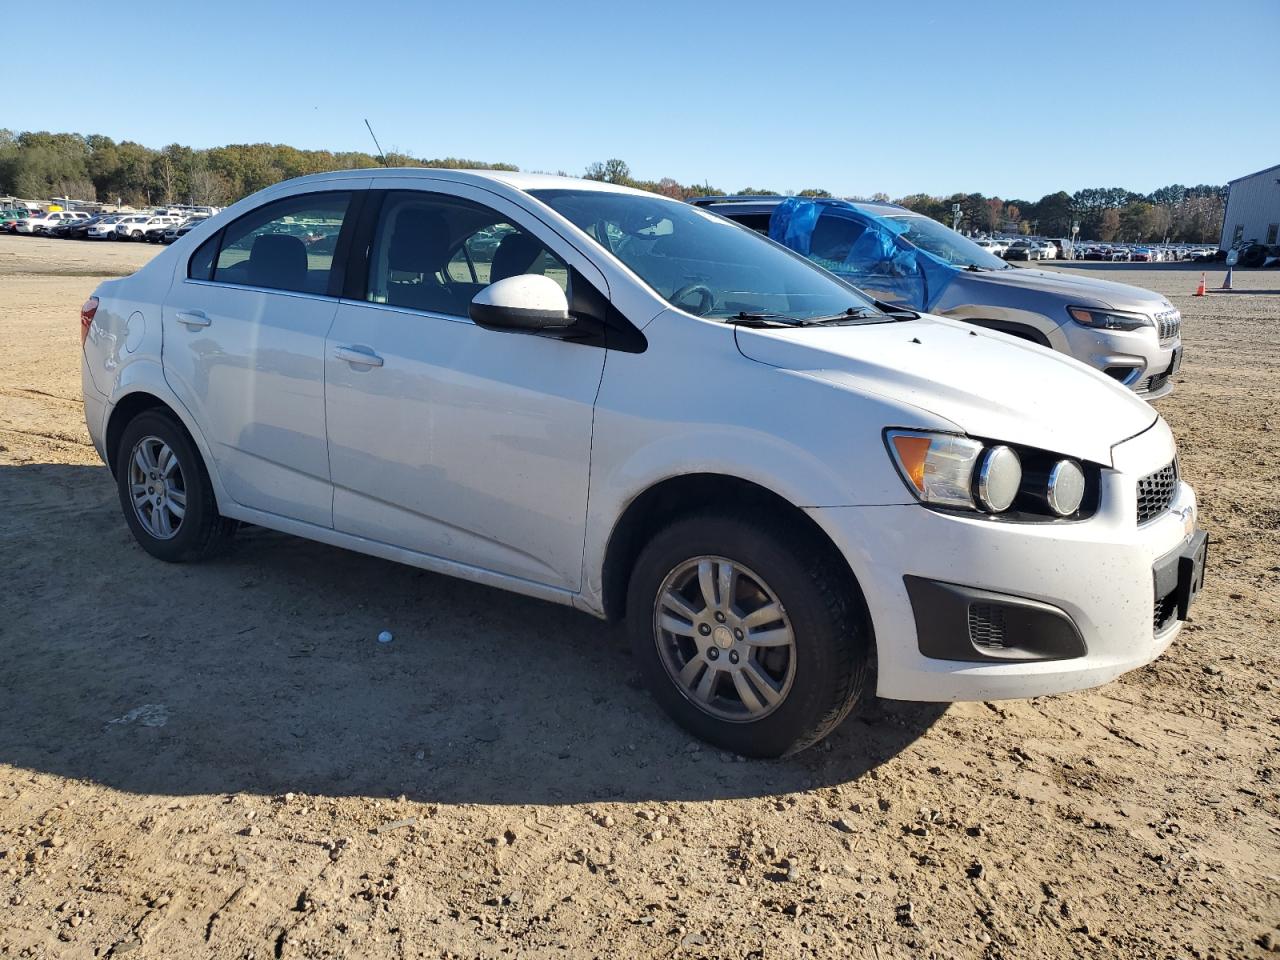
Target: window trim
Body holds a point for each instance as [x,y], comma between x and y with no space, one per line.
[601,323]
[367,239]
[337,266]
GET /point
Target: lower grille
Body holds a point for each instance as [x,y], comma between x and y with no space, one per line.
[987,625]
[1151,384]
[1165,613]
[1156,492]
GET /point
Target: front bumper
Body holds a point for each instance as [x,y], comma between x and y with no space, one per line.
[1098,573]
[1136,358]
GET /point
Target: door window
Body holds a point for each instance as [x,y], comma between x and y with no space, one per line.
[286,245]
[434,253]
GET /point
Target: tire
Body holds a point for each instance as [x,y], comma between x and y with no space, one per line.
[201,531]
[826,664]
[136,235]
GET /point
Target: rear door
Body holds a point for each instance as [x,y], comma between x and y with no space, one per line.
[244,337]
[445,438]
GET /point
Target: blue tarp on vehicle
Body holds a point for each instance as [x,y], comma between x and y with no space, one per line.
[864,249]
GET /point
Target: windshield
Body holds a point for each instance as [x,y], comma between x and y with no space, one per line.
[703,263]
[945,244]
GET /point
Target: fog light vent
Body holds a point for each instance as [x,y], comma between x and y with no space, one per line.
[986,625]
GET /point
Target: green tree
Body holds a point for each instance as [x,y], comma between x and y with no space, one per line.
[611,171]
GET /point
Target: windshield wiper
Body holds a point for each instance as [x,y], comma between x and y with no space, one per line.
[761,319]
[764,319]
[852,313]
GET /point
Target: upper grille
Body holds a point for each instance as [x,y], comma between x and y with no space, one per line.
[1155,492]
[1168,324]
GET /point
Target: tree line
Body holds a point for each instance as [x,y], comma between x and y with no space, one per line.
[39,165]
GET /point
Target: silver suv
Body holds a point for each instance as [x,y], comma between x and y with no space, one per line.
[904,258]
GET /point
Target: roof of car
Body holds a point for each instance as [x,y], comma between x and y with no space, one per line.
[511,178]
[762,203]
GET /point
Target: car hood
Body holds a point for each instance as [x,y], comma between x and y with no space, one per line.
[1104,293]
[989,385]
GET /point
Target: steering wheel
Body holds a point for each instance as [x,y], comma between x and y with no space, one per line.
[706,299]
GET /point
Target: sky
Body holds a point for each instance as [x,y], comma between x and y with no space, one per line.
[1008,99]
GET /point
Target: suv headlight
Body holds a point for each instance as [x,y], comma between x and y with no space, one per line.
[956,472]
[1109,319]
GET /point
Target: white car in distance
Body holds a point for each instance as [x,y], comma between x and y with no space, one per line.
[612,400]
[105,229]
[42,223]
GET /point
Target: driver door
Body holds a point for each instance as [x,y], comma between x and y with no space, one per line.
[444,438]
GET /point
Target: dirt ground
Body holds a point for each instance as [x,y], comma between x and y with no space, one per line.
[221,761]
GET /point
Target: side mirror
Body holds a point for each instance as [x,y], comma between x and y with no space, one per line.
[529,303]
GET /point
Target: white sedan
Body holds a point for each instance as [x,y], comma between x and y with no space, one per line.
[623,403]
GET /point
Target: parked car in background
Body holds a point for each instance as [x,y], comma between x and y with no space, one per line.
[1143,255]
[41,224]
[775,482]
[9,218]
[179,230]
[80,229]
[105,229]
[1047,250]
[1120,254]
[131,227]
[153,230]
[1023,250]
[910,260]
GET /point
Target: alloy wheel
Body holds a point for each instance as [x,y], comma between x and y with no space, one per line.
[724,639]
[157,488]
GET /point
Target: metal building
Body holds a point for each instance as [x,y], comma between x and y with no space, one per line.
[1253,208]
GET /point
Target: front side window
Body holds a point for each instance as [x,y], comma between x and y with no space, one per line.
[702,263]
[434,253]
[286,245]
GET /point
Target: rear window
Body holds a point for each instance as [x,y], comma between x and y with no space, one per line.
[286,245]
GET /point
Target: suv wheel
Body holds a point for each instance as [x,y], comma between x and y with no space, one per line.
[746,634]
[165,491]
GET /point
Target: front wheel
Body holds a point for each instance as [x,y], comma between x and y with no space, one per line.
[165,491]
[747,633]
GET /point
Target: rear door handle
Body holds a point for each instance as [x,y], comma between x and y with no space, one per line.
[193,319]
[358,355]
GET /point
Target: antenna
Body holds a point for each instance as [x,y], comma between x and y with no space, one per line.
[381,155]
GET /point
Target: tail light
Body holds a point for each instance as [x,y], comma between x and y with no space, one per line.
[86,317]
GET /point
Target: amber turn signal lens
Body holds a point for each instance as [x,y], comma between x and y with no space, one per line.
[911,454]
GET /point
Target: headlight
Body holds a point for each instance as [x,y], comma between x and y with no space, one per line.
[946,470]
[1109,319]
[1065,490]
[998,479]
[937,466]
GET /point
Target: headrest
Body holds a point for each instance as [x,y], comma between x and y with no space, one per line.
[278,260]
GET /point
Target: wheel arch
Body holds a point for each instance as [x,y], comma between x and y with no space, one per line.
[1013,328]
[687,494]
[131,404]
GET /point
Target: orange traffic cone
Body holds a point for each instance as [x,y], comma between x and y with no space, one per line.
[1200,289]
[1226,284]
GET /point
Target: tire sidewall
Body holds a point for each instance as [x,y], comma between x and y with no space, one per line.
[200,513]
[821,653]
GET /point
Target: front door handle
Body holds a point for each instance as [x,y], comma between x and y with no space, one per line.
[193,319]
[361,356]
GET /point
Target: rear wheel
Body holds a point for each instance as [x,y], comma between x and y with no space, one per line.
[747,634]
[165,491]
